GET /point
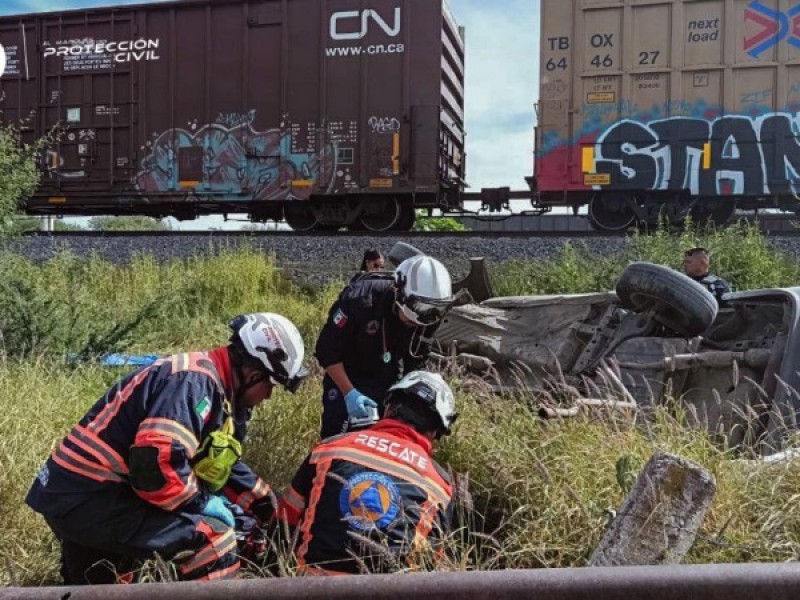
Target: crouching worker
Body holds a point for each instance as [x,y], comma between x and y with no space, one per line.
[153,466]
[374,500]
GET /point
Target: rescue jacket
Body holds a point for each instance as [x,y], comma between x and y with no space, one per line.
[144,433]
[368,493]
[364,333]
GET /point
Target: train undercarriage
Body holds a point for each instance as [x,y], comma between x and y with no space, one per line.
[620,210]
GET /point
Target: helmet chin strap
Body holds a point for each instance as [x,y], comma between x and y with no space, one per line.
[416,341]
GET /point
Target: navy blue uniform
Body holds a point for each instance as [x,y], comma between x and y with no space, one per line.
[364,333]
[365,494]
[120,486]
[716,285]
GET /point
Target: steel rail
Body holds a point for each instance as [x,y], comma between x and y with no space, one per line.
[675,582]
[418,235]
[400,235]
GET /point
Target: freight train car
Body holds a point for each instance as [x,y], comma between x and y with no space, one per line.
[330,113]
[668,106]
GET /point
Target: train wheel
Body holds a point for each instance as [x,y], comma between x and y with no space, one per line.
[408,216]
[611,212]
[381,214]
[713,210]
[300,216]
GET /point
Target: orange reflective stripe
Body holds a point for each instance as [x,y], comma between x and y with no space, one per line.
[294,500]
[248,497]
[179,362]
[72,461]
[112,408]
[92,444]
[175,490]
[173,430]
[199,362]
[353,441]
[426,515]
[385,466]
[169,500]
[219,544]
[316,491]
[231,572]
[261,489]
[314,571]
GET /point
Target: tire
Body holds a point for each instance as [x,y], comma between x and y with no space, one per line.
[402,251]
[676,301]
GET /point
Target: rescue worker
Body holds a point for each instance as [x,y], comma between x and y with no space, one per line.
[153,466]
[375,498]
[696,264]
[381,326]
[373,261]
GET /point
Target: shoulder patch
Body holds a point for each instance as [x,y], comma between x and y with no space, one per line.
[340,319]
[203,408]
[369,501]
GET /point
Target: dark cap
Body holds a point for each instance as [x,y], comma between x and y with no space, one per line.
[697,250]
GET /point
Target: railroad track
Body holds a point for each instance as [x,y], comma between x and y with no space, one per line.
[513,226]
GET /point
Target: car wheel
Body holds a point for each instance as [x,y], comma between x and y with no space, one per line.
[675,300]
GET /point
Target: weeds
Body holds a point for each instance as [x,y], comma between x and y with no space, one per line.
[740,254]
[542,491]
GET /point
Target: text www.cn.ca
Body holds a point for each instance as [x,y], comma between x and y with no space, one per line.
[360,50]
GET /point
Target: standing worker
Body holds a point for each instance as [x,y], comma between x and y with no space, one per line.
[375,498]
[372,261]
[378,329]
[153,466]
[696,264]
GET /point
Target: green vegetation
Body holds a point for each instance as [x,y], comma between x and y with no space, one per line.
[423,223]
[19,174]
[543,491]
[740,254]
[127,224]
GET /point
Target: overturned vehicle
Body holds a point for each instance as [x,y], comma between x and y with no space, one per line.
[660,338]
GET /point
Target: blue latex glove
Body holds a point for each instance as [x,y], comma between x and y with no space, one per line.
[235,509]
[358,405]
[215,507]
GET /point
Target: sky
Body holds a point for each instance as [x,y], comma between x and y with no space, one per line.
[501,81]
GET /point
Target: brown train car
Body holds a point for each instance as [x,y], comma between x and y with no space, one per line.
[330,112]
[678,107]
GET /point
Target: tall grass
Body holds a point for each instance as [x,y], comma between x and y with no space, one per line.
[543,491]
[740,254]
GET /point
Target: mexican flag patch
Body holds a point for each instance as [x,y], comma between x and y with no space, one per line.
[203,408]
[340,319]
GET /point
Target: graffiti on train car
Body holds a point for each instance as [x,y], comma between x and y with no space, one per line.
[732,154]
[233,157]
[774,27]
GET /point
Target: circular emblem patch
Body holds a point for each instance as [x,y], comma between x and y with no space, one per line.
[369,501]
[373,327]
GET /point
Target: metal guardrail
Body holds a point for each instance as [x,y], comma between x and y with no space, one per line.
[676,582]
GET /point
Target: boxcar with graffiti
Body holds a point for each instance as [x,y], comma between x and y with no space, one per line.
[669,107]
[330,113]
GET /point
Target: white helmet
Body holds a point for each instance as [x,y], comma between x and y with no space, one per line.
[276,343]
[424,289]
[432,391]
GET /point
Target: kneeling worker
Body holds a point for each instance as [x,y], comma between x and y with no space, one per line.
[373,498]
[153,466]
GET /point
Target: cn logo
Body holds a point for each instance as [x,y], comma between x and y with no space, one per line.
[775,26]
[339,21]
[2,60]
